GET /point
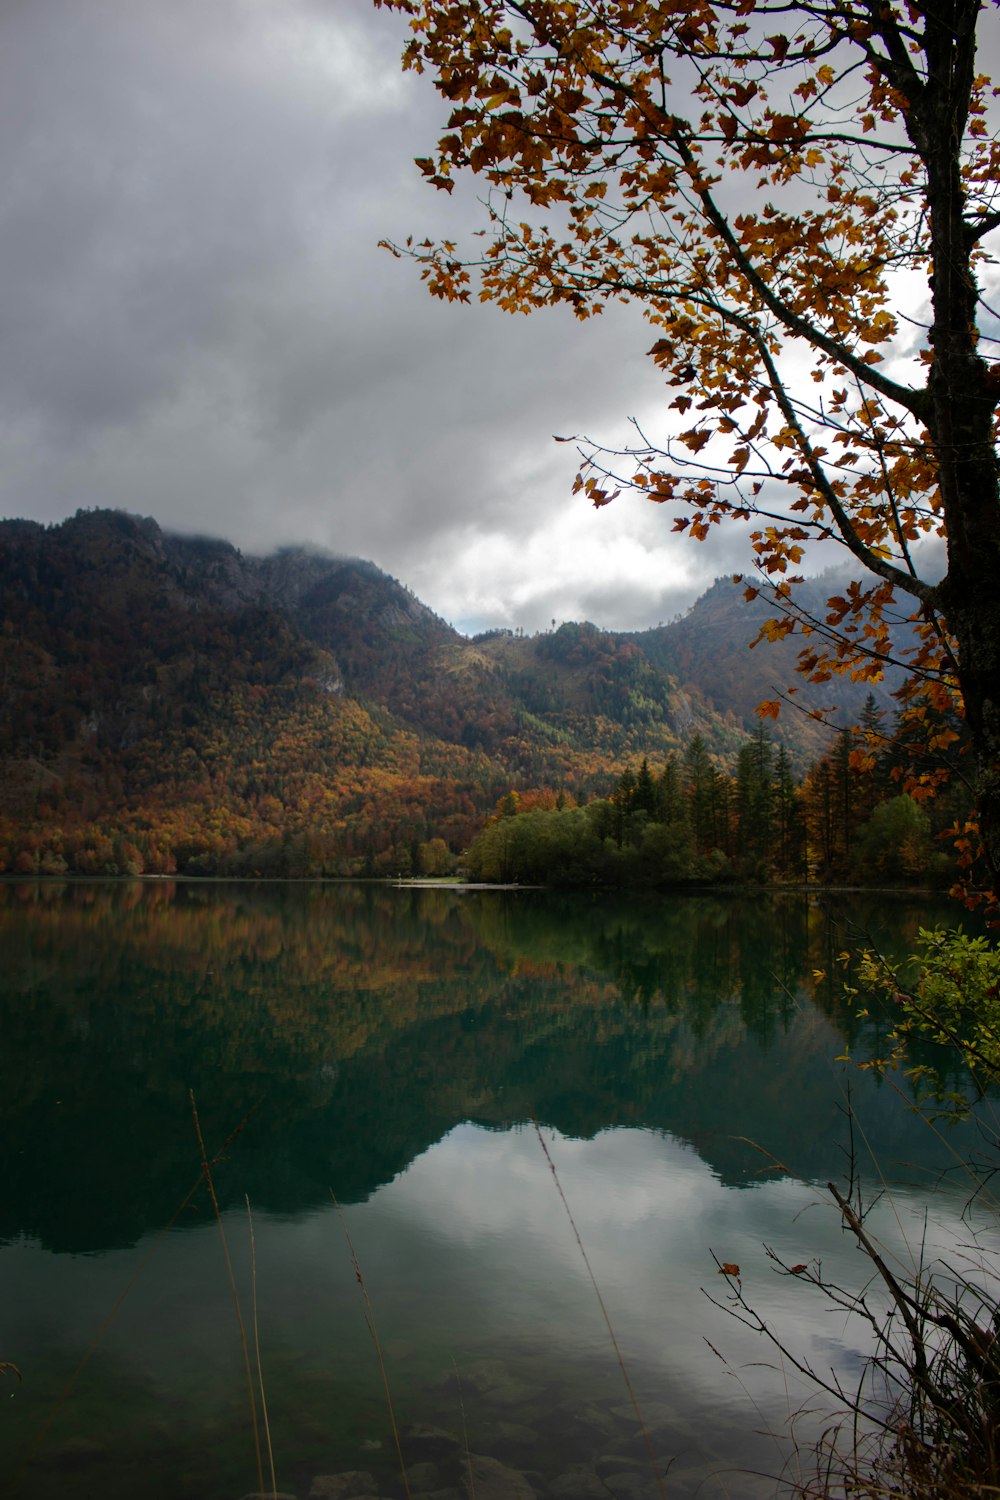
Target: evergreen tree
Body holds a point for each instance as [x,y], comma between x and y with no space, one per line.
[755,799]
[622,799]
[789,828]
[700,779]
[873,781]
[644,795]
[671,801]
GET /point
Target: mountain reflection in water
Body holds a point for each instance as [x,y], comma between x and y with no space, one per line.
[390,1047]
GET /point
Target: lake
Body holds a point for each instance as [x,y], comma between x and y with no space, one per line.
[395,1070]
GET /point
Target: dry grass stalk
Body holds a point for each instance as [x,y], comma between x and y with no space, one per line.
[465,1435]
[207,1174]
[256,1347]
[41,1434]
[647,1440]
[373,1334]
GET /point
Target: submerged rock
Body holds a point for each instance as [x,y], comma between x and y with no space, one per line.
[421,1442]
[491,1379]
[614,1463]
[352,1485]
[579,1484]
[423,1478]
[504,1434]
[489,1479]
[631,1484]
[589,1417]
[658,1417]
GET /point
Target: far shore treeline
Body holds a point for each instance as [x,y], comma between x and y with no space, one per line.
[695,823]
[172,707]
[689,822]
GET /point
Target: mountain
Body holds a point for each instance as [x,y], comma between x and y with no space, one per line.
[166,702]
[710,646]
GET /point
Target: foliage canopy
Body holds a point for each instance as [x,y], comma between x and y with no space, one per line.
[952,999]
[800,198]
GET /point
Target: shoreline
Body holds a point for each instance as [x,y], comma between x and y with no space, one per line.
[447,883]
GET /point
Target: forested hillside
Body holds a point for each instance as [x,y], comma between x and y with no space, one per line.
[169,704]
[710,646]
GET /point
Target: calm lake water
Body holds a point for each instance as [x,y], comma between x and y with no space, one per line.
[390,1049]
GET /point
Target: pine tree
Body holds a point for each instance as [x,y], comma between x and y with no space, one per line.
[755,803]
[644,796]
[789,828]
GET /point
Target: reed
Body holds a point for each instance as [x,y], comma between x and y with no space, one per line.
[647,1440]
[256,1346]
[41,1433]
[206,1169]
[470,1472]
[369,1312]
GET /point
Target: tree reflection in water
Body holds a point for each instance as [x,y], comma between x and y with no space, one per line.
[387,1045]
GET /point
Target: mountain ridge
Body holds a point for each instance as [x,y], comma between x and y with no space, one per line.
[151,679]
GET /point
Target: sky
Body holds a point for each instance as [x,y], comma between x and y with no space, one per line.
[198,325]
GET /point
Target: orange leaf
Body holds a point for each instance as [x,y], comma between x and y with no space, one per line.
[729,1268]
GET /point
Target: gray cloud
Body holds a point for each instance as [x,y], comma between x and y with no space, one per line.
[195,321]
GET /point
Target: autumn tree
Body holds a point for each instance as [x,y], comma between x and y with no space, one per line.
[799,196]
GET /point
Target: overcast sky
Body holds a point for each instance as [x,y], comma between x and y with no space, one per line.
[197,323]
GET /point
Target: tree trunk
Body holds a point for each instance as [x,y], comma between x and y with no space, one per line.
[963,393]
[974,616]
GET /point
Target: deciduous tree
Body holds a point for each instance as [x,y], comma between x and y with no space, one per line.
[800,197]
